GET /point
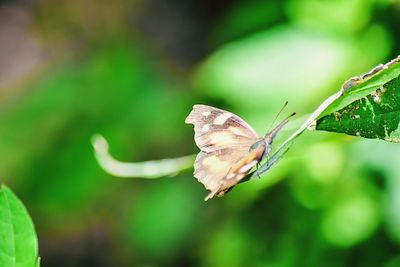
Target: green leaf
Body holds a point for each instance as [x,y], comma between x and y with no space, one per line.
[363,85]
[18,242]
[374,116]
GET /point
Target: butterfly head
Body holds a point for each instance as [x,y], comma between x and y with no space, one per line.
[258,144]
[270,136]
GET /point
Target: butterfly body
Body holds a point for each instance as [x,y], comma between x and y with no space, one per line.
[230,148]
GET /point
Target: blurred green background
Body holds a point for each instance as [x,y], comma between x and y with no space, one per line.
[131,70]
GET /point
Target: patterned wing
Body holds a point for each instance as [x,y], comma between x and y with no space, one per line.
[211,168]
[220,170]
[229,147]
[225,141]
[216,129]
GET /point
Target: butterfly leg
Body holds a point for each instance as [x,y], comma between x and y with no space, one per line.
[258,166]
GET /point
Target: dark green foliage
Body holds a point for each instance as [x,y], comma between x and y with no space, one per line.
[374,116]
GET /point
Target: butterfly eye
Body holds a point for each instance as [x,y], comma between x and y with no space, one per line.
[256,145]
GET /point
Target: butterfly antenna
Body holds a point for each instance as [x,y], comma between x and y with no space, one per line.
[271,134]
[277,115]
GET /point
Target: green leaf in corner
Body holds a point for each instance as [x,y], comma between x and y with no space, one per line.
[18,242]
[363,85]
[376,115]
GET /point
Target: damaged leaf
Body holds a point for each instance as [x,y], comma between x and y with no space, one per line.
[376,115]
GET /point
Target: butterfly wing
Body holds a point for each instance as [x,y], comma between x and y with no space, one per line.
[220,170]
[211,168]
[225,141]
[217,129]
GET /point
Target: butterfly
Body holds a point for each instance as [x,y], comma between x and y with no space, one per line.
[229,146]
